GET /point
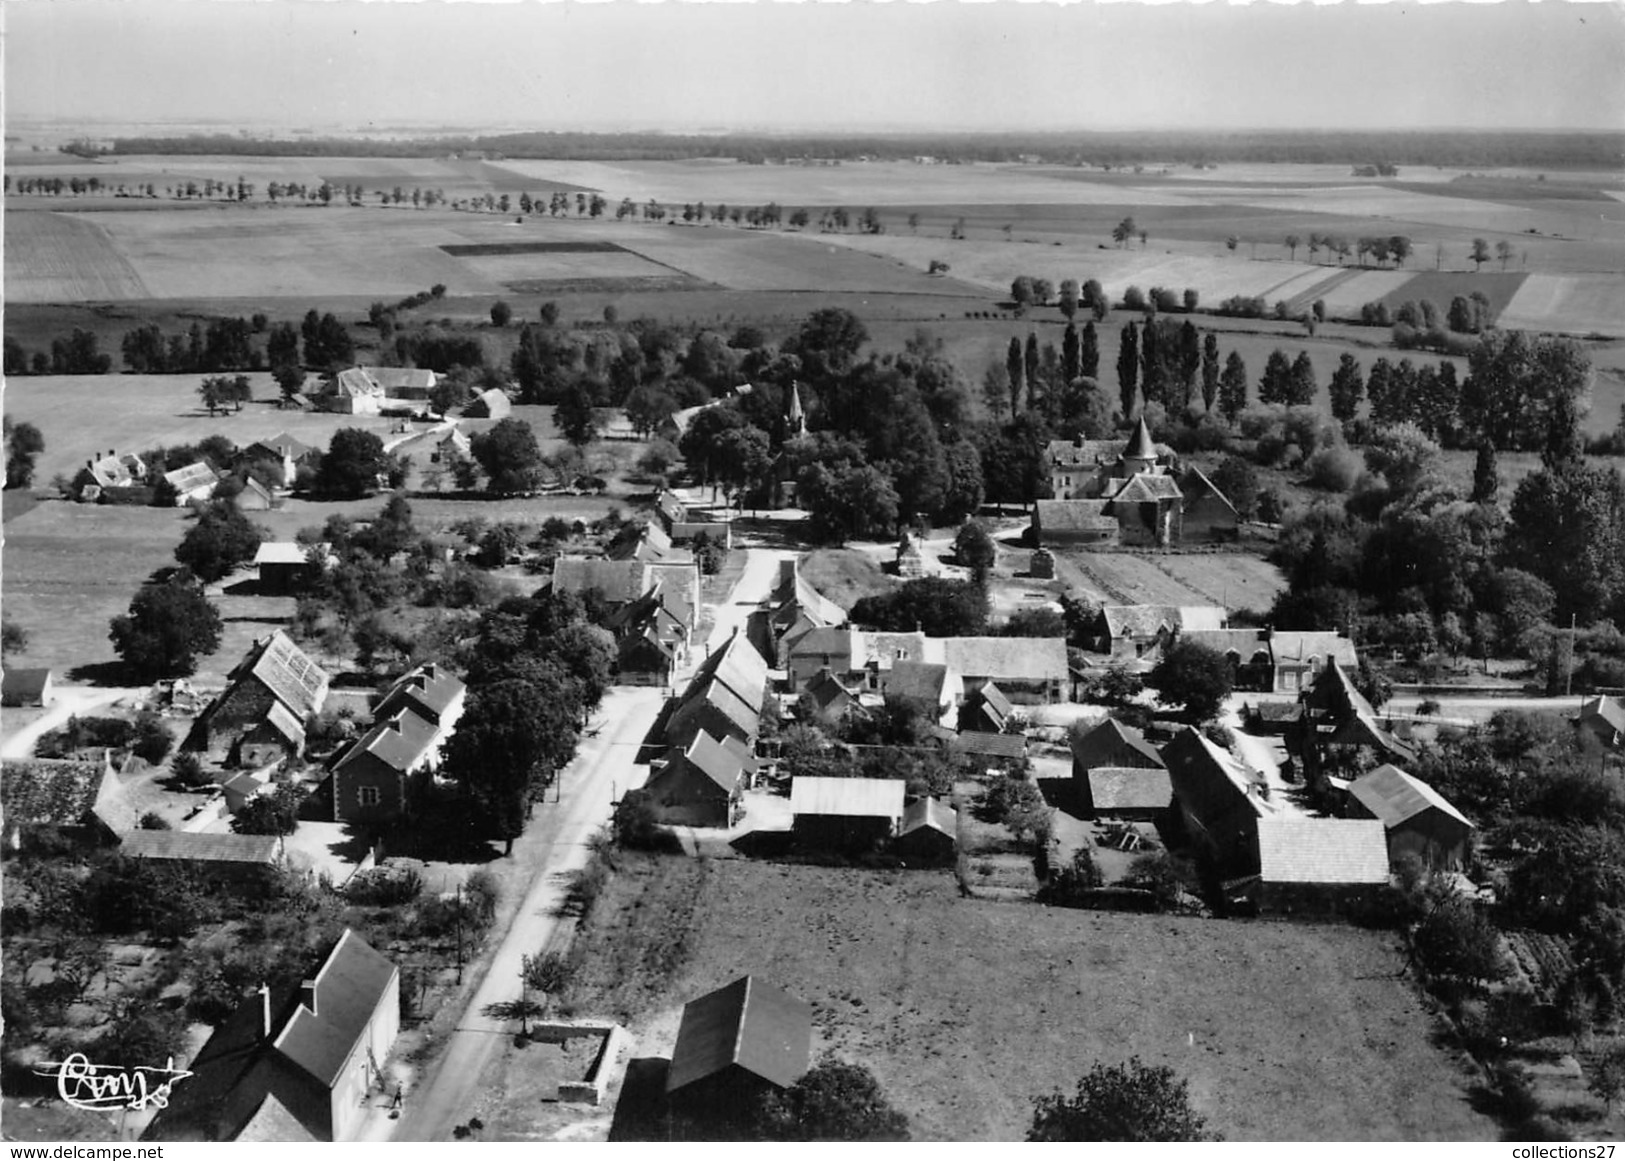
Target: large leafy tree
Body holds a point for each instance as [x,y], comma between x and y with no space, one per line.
[168,626]
[833,1101]
[936,606]
[220,540]
[510,456]
[1568,528]
[574,415]
[828,342]
[1194,677]
[1122,1102]
[351,468]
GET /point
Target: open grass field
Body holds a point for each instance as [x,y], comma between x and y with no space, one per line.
[845,575]
[1285,1031]
[1567,302]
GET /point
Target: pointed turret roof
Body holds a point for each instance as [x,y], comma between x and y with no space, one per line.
[1140,446]
[796,415]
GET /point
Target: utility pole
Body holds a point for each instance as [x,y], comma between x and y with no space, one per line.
[459,933]
[1568,677]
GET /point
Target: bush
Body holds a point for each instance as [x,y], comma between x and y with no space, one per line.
[153,821]
[1335,468]
[153,740]
[1134,299]
[188,770]
[481,893]
[387,886]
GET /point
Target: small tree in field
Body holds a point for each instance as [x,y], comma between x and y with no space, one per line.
[1125,1102]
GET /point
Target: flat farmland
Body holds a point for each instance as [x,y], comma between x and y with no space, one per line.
[1231,580]
[917,984]
[85,415]
[1568,302]
[1440,287]
[60,258]
[1124,578]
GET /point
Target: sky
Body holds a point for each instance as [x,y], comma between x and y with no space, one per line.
[946,65]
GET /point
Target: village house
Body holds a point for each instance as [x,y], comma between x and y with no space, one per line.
[375,390]
[737,1042]
[1220,803]
[1128,632]
[1604,717]
[316,1049]
[1338,722]
[796,608]
[1027,670]
[59,799]
[932,691]
[371,780]
[113,478]
[985,711]
[1419,821]
[702,785]
[724,698]
[26,687]
[286,453]
[647,542]
[1313,866]
[253,496]
[845,813]
[1133,496]
[1284,661]
[260,718]
[193,484]
[429,690]
[929,832]
[1111,743]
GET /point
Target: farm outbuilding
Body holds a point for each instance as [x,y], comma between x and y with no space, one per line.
[1073,523]
[1604,717]
[65,799]
[1111,743]
[253,496]
[737,1042]
[1419,820]
[701,785]
[846,813]
[1318,865]
[1128,793]
[929,833]
[241,859]
[491,404]
[261,715]
[194,483]
[26,687]
[285,567]
[1220,801]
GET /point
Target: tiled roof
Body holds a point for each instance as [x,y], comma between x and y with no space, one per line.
[401,742]
[916,681]
[848,797]
[1332,851]
[1394,796]
[1130,788]
[1296,645]
[284,445]
[883,650]
[1146,620]
[1083,453]
[192,477]
[202,847]
[749,1023]
[273,1123]
[1007,659]
[396,378]
[1245,642]
[50,791]
[724,765]
[1073,516]
[986,745]
[349,987]
[617,580]
[992,697]
[835,644]
[930,812]
[1210,781]
[1145,488]
[297,681]
[354,381]
[713,693]
[1109,742]
[1140,445]
[670,507]
[285,723]
[428,690]
[1606,709]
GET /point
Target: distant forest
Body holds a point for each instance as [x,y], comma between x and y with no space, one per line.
[1596,150]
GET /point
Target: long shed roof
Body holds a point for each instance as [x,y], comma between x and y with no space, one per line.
[1394,796]
[848,797]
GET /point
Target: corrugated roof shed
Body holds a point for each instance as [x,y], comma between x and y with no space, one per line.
[749,1023]
[1330,851]
[349,987]
[1130,788]
[203,847]
[848,797]
[1394,796]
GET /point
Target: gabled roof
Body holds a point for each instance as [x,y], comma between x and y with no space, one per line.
[749,1024]
[618,580]
[1195,480]
[296,681]
[1245,643]
[917,681]
[273,1123]
[24,684]
[848,797]
[1080,453]
[986,745]
[1074,516]
[284,445]
[395,378]
[1209,781]
[722,764]
[932,813]
[282,719]
[51,791]
[1301,645]
[349,987]
[1108,742]
[428,690]
[1145,488]
[737,665]
[840,646]
[281,552]
[1331,851]
[1007,659]
[1130,788]
[883,650]
[192,477]
[719,697]
[355,381]
[255,849]
[992,698]
[670,507]
[401,742]
[1146,620]
[1395,797]
[1608,710]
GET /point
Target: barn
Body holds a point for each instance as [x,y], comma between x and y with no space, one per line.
[26,687]
[1073,523]
[1317,865]
[701,785]
[284,566]
[930,832]
[1111,743]
[737,1042]
[1128,793]
[1418,819]
[845,813]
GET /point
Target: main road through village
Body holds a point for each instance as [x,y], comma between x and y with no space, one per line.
[557,842]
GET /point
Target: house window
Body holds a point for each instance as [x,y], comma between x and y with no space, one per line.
[369,796]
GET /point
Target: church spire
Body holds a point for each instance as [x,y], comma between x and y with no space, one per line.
[797,418]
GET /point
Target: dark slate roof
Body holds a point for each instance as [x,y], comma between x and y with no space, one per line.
[987,745]
[1140,445]
[749,1023]
[1073,516]
[1211,782]
[428,690]
[297,681]
[1080,453]
[671,508]
[825,689]
[1146,620]
[722,764]
[1106,744]
[25,684]
[349,987]
[1330,851]
[1393,797]
[1130,788]
[916,681]
[258,849]
[1277,711]
[50,791]
[618,580]
[1145,488]
[724,700]
[273,1123]
[930,812]
[400,742]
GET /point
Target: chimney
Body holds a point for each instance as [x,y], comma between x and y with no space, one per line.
[1077,440]
[265,1008]
[307,995]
